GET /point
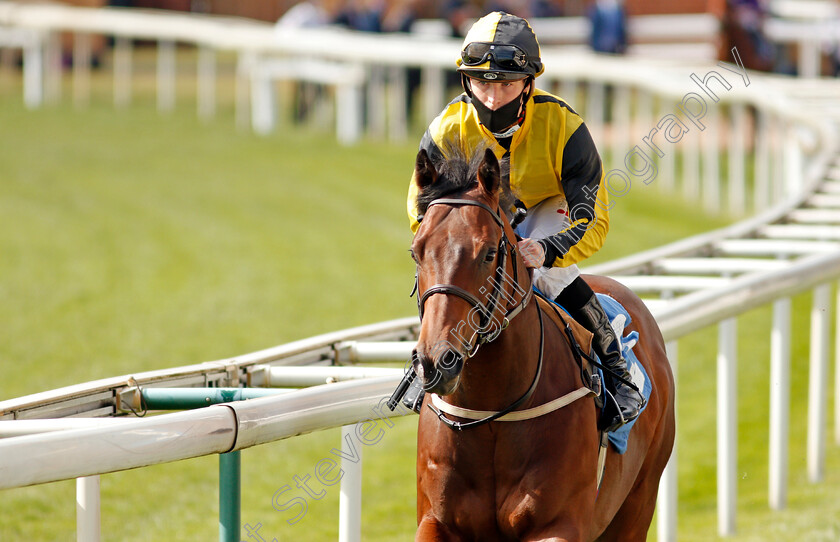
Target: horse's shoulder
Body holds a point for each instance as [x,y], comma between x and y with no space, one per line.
[559,318]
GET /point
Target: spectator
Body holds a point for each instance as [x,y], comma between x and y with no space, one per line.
[304,15]
[744,29]
[459,15]
[526,8]
[609,27]
[362,15]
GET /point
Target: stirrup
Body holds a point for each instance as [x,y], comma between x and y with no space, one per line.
[611,417]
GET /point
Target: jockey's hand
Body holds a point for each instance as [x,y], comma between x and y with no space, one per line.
[532,252]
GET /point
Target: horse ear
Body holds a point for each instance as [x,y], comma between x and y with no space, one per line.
[425,173]
[489,173]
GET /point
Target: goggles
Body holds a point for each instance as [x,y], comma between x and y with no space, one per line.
[507,57]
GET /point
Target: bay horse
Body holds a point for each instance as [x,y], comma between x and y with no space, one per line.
[535,479]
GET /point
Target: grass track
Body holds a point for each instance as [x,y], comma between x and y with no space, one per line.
[131,242]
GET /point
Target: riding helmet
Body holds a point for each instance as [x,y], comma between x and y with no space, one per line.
[500,46]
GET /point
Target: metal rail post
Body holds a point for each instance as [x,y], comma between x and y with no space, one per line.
[375,101]
[349,100]
[569,91]
[727,426]
[817,385]
[206,83]
[33,72]
[668,163]
[82,53]
[52,68]
[398,113]
[595,97]
[779,403]
[620,124]
[837,372]
[793,161]
[735,157]
[777,128]
[122,71]
[691,165]
[263,101]
[710,143]
[242,90]
[88,525]
[230,468]
[666,514]
[166,69]
[350,498]
[761,167]
[434,91]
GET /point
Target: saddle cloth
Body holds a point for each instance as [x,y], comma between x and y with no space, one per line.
[620,319]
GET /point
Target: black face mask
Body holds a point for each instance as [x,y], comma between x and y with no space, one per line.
[501,118]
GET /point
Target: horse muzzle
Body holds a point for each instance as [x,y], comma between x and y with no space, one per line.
[441,373]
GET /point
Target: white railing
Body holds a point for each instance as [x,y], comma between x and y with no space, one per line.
[793,152]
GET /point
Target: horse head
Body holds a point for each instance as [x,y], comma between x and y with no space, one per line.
[465,251]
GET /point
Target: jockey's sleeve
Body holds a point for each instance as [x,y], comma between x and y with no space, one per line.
[582,180]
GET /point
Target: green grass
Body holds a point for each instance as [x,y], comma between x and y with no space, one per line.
[131,241]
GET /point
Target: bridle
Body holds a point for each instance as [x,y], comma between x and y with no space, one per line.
[480,336]
[505,249]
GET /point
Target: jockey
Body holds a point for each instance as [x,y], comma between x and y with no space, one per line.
[555,170]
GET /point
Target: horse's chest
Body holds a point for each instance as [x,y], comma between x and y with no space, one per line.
[485,495]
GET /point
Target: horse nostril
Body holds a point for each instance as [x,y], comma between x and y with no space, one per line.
[417,364]
[423,366]
[450,362]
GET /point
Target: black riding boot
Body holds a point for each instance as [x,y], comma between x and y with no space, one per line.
[629,401]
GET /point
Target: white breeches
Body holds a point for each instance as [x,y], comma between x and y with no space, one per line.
[547,218]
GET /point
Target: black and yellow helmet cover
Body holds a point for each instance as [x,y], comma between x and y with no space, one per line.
[500,46]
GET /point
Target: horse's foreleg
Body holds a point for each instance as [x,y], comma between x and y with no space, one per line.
[431,530]
[632,522]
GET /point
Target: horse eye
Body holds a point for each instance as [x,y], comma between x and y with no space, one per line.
[413,255]
[491,255]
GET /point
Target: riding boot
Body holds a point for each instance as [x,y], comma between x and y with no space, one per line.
[413,397]
[628,400]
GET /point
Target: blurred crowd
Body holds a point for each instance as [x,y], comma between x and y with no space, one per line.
[400,15]
[742,22]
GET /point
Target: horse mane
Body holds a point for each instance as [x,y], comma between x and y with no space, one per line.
[457,170]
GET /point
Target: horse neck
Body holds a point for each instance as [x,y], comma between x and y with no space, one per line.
[502,370]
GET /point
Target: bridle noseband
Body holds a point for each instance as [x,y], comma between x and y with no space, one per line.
[481,336]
